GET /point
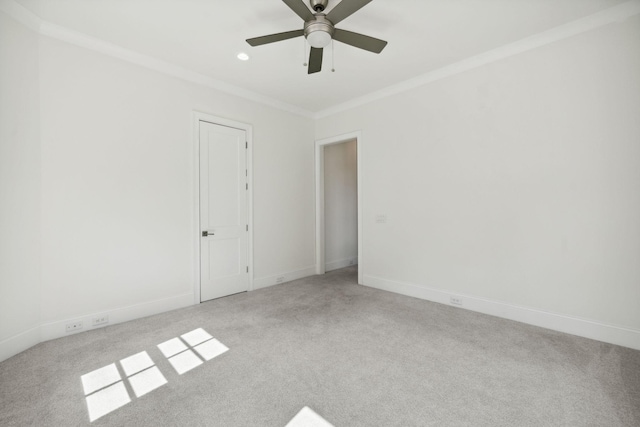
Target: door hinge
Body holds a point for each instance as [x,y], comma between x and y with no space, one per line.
[247,269]
[247,227]
[246,144]
[247,186]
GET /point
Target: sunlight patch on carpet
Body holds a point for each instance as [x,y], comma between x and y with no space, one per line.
[308,418]
[182,358]
[211,349]
[185,361]
[100,378]
[107,400]
[196,337]
[147,381]
[172,347]
[105,389]
[136,363]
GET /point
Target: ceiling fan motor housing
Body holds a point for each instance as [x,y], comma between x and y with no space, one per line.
[319,32]
[318,5]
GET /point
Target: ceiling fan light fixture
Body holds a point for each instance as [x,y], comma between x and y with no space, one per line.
[319,39]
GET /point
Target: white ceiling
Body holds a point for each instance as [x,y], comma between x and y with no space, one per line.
[206,35]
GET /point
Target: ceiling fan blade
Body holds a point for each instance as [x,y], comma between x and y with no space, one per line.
[344,9]
[300,9]
[359,40]
[315,60]
[257,41]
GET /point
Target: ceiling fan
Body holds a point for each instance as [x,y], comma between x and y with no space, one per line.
[319,29]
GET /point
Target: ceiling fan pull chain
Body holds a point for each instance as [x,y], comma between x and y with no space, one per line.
[333,54]
[304,52]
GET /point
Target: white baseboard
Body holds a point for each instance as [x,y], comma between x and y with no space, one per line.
[52,330]
[342,263]
[264,282]
[18,343]
[558,322]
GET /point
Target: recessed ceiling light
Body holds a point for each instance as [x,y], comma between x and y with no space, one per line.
[243,56]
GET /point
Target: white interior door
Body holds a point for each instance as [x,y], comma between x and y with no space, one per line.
[223,212]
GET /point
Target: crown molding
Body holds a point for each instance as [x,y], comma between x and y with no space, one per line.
[608,16]
[48,29]
[611,15]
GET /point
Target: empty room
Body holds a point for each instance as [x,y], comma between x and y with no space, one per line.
[320,213]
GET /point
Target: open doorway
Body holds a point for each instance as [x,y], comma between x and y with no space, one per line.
[338,207]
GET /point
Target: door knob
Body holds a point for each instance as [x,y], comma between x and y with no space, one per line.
[207,233]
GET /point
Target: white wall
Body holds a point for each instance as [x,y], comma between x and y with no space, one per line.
[341,204]
[118,183]
[19,185]
[517,182]
[98,179]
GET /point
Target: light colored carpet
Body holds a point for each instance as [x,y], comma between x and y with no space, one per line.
[356,356]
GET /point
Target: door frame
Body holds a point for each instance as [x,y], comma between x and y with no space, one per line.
[196,118]
[320,220]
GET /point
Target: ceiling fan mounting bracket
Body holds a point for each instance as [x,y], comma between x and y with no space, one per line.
[318,5]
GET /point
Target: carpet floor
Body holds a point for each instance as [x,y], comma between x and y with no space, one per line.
[356,356]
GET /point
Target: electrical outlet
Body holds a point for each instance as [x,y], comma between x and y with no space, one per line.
[280,279]
[100,320]
[455,300]
[74,326]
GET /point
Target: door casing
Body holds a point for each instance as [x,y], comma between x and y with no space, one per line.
[320,225]
[198,117]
